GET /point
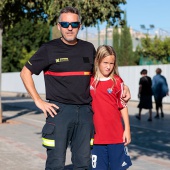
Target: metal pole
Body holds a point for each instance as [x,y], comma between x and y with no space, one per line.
[106,35]
[51,32]
[98,28]
[86,34]
[0,74]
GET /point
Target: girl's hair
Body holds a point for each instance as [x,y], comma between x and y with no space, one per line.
[70,9]
[102,52]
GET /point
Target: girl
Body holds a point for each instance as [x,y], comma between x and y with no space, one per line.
[111,137]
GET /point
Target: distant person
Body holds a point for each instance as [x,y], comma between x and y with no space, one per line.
[145,94]
[111,137]
[160,90]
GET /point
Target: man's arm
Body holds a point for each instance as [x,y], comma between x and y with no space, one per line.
[126,93]
[28,81]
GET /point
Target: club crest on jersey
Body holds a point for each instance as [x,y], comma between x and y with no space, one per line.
[109,90]
[58,60]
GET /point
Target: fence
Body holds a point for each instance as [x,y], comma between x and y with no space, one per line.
[11,82]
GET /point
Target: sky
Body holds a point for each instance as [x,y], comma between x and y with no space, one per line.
[146,12]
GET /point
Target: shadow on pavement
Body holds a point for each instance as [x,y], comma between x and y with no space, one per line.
[148,138]
[20,105]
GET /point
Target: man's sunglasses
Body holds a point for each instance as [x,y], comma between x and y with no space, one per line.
[66,24]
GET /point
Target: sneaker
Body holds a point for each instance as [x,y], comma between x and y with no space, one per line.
[149,120]
[157,117]
[137,117]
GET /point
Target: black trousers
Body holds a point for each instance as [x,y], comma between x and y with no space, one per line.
[72,125]
[158,101]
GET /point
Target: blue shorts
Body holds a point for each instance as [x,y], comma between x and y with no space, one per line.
[110,157]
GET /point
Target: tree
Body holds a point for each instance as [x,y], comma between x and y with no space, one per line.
[116,42]
[21,41]
[122,42]
[126,53]
[156,49]
[13,11]
[0,71]
[92,11]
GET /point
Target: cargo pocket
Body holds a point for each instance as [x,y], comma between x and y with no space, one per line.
[48,138]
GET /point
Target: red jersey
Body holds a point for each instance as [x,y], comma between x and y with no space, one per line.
[106,104]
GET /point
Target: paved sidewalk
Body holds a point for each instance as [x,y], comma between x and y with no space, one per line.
[20,138]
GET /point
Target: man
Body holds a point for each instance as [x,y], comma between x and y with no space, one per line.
[160,90]
[67,64]
[145,94]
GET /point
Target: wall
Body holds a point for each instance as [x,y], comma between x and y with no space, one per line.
[131,76]
[11,82]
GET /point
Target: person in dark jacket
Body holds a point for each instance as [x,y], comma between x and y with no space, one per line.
[160,90]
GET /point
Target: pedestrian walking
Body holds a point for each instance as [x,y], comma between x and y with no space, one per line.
[160,90]
[110,139]
[67,63]
[145,94]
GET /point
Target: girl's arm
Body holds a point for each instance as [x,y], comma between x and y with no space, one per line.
[126,134]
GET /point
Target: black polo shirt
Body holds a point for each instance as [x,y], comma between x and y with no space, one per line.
[66,70]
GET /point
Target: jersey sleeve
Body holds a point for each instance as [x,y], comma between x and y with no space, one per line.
[39,61]
[119,83]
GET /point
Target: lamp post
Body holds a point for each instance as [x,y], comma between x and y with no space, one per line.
[98,29]
[147,29]
[106,34]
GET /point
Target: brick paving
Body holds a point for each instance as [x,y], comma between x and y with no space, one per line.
[20,138]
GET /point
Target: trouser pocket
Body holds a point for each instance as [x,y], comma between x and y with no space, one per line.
[48,137]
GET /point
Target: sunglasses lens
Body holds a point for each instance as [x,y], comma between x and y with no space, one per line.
[75,24]
[66,24]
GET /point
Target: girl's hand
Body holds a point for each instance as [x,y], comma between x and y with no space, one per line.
[126,137]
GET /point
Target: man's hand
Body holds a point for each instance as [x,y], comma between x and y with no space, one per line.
[46,107]
[28,81]
[126,93]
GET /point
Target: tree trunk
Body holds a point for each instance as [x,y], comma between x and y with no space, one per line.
[0,73]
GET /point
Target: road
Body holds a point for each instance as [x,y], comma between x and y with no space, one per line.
[20,138]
